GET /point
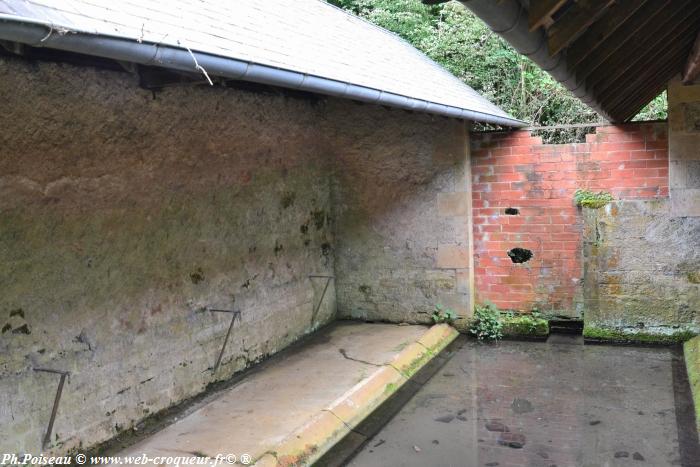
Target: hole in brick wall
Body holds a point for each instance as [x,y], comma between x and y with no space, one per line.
[512,211]
[520,255]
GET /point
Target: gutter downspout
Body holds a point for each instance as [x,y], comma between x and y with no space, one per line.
[509,19]
[40,34]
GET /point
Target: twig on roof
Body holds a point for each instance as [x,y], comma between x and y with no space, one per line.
[47,35]
[199,67]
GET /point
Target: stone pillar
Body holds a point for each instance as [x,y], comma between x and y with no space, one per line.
[684,148]
[455,205]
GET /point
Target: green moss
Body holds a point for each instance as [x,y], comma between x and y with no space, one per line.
[390,388]
[694,277]
[418,363]
[589,199]
[641,337]
[691,350]
[525,326]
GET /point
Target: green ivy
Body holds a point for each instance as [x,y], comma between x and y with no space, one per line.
[487,324]
[443,315]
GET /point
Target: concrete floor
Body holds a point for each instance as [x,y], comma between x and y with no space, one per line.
[558,403]
[283,394]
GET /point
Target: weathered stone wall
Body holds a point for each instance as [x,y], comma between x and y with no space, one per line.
[123,215]
[684,147]
[642,269]
[403,218]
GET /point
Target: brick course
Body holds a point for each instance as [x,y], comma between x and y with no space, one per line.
[515,169]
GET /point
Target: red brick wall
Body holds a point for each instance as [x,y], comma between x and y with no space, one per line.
[514,169]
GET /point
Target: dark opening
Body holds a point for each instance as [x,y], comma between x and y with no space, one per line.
[512,211]
[520,255]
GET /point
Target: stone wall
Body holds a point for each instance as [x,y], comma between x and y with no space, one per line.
[403,220]
[684,147]
[642,270]
[523,198]
[124,215]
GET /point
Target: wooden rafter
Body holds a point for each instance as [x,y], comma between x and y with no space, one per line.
[598,32]
[631,107]
[646,74]
[649,79]
[692,65]
[659,39]
[621,37]
[541,12]
[574,22]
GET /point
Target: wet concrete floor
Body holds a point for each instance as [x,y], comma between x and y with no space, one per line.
[556,403]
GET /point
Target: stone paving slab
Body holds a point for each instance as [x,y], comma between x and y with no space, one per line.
[298,406]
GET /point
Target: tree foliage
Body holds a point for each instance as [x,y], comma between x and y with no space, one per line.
[452,36]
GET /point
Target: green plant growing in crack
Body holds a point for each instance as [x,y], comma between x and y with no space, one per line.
[589,199]
[487,324]
[443,315]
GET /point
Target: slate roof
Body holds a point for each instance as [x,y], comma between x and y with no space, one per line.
[310,37]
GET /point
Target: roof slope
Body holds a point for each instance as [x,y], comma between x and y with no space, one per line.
[307,37]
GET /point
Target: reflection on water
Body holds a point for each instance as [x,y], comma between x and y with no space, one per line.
[558,403]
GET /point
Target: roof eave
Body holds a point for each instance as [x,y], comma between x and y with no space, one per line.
[41,34]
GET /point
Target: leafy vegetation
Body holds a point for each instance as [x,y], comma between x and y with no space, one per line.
[589,199]
[487,324]
[452,36]
[443,315]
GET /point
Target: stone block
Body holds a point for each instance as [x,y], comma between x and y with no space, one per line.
[691,117]
[685,202]
[679,92]
[684,146]
[454,204]
[452,256]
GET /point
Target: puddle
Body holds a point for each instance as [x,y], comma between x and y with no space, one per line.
[558,403]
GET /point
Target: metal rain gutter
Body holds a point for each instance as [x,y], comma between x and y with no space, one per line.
[508,19]
[41,34]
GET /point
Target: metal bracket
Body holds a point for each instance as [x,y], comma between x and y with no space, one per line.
[57,399]
[323,294]
[236,314]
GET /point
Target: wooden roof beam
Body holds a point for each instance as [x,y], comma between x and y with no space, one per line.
[650,78]
[631,110]
[541,12]
[623,86]
[632,107]
[692,66]
[599,31]
[574,22]
[651,46]
[620,37]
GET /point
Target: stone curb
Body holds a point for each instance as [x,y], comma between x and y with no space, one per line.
[309,442]
[691,352]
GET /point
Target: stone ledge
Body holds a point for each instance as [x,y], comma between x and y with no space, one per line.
[308,443]
[691,351]
[623,336]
